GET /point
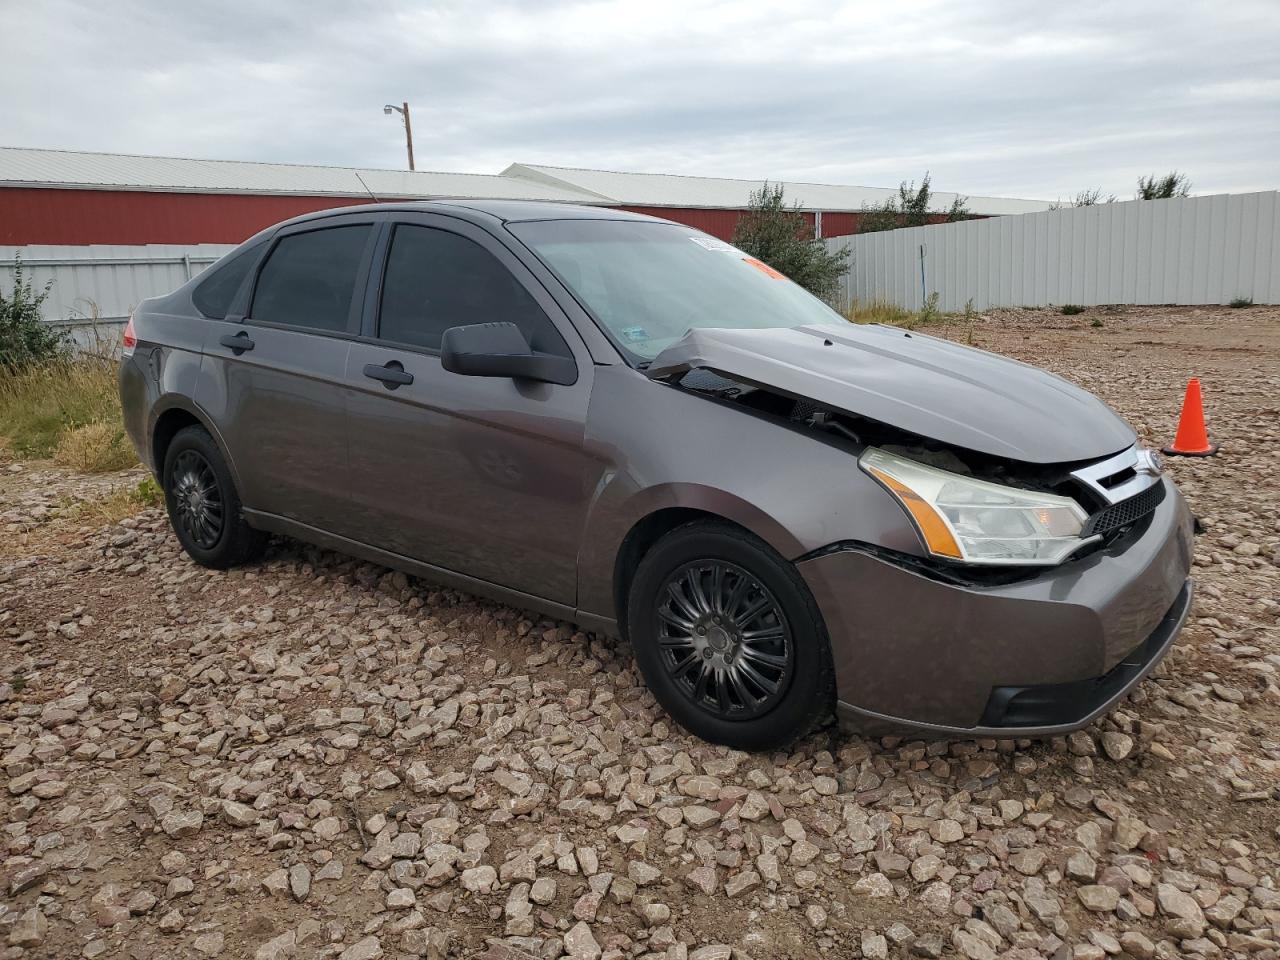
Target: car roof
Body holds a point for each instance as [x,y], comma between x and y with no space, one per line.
[505,211]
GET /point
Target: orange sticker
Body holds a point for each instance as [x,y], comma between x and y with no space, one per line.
[764,268]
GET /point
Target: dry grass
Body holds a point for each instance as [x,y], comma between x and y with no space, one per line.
[881,311]
[890,314]
[94,448]
[44,412]
[116,506]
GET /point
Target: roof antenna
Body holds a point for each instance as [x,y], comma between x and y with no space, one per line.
[366,186]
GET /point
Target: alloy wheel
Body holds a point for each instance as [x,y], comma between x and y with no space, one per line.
[724,639]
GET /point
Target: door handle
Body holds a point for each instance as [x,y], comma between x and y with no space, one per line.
[238,343]
[392,375]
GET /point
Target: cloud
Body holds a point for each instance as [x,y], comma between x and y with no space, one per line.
[1001,97]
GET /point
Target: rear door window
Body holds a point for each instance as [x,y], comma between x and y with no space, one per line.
[309,278]
[435,280]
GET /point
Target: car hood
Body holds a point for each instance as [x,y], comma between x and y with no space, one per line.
[934,388]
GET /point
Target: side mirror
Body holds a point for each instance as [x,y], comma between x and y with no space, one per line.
[500,350]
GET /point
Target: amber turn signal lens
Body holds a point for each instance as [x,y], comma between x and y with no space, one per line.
[937,535]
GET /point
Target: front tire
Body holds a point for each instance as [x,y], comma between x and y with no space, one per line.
[729,638]
[204,507]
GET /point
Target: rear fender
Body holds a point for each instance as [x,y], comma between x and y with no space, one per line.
[186,404]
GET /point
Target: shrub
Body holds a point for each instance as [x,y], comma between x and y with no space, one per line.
[1091,198]
[1240,303]
[1172,184]
[910,208]
[781,237]
[1095,322]
[25,337]
[1071,309]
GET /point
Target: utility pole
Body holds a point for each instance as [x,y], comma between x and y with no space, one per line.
[403,110]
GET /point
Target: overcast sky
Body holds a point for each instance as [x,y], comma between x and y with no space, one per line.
[1013,98]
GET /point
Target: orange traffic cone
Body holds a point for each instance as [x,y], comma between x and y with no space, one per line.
[1192,439]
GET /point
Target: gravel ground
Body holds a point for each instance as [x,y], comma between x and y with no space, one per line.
[315,757]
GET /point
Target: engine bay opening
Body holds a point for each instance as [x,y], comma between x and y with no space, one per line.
[855,433]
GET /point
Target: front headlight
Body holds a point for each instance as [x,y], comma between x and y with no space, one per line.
[974,521]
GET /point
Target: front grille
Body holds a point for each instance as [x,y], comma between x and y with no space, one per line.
[1125,512]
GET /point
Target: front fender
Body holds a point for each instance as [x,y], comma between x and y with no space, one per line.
[660,447]
[618,507]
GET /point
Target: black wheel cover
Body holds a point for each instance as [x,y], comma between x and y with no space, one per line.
[198,504]
[724,639]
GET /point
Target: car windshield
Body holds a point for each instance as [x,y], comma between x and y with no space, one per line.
[651,283]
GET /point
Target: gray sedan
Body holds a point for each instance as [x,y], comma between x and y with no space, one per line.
[625,423]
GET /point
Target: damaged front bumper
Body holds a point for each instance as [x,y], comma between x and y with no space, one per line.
[1033,658]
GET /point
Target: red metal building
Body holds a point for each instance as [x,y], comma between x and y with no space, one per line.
[59,197]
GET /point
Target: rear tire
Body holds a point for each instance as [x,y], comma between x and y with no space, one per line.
[204,507]
[729,639]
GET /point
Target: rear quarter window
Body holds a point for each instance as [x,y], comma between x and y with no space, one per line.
[216,292]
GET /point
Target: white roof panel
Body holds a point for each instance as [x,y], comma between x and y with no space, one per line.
[671,190]
[64,168]
[21,166]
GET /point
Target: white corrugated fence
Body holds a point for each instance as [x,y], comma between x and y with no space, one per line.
[1190,250]
[96,286]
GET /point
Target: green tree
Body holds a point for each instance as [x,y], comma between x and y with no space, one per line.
[911,208]
[25,337]
[781,236]
[1172,184]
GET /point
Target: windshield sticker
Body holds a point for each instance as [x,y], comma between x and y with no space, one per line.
[634,334]
[764,268]
[717,246]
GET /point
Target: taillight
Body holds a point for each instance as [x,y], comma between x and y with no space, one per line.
[129,340]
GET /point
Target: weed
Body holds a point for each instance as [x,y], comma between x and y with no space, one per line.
[148,492]
[1240,303]
[1095,322]
[119,504]
[19,683]
[929,312]
[1071,309]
